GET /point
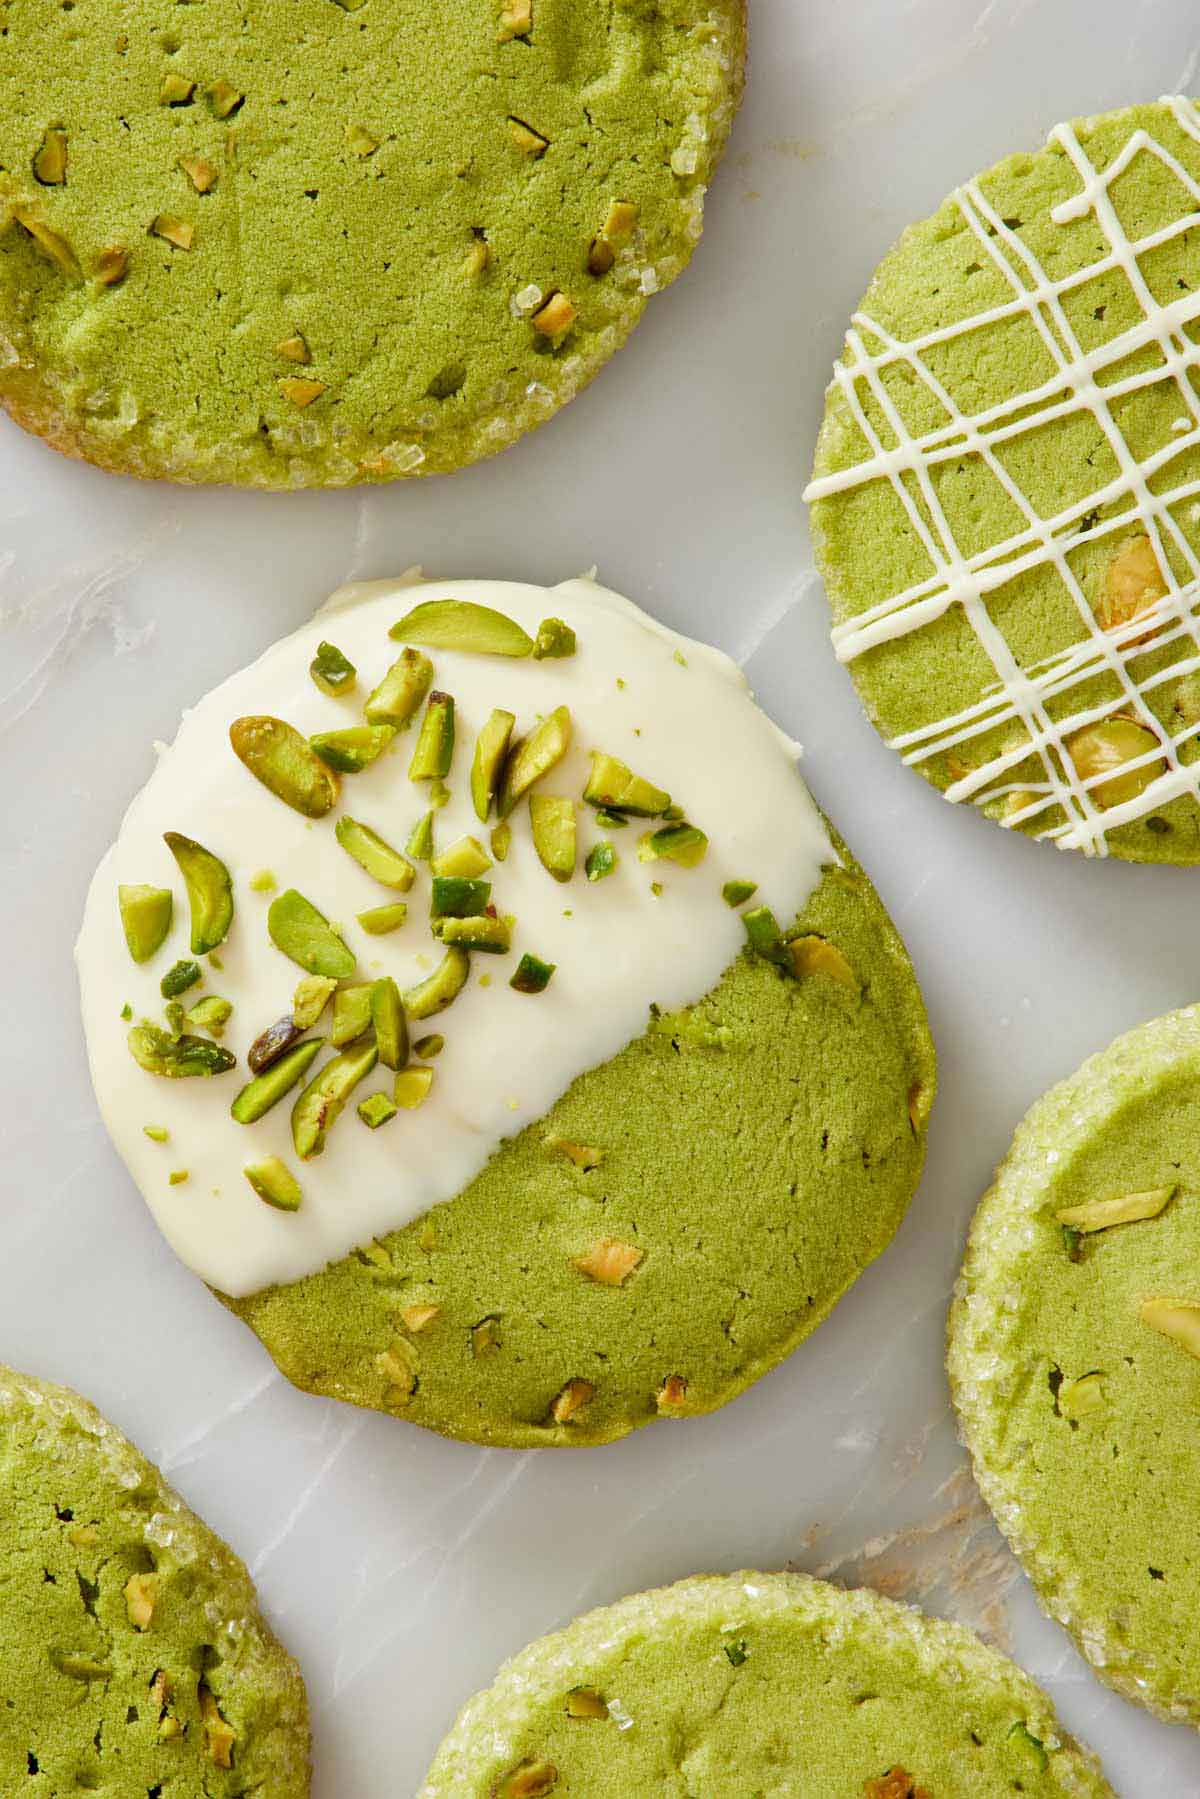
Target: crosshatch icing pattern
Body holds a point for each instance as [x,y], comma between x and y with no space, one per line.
[1007,491]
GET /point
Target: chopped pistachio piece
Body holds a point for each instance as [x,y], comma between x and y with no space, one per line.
[127,1011]
[179,233]
[462,625]
[111,265]
[375,1110]
[454,897]
[145,919]
[351,1013]
[529,142]
[429,1047]
[615,788]
[583,1155]
[556,316]
[817,956]
[418,1318]
[1110,744]
[601,861]
[274,1183]
[178,978]
[272,1043]
[177,1057]
[371,852]
[437,990]
[278,756]
[1177,1319]
[322,1101]
[50,159]
[516,19]
[304,934]
[567,1405]
[157,1133]
[1076,1398]
[439,794]
[491,747]
[219,1737]
[532,975]
[1021,1744]
[51,243]
[531,1780]
[534,757]
[672,1394]
[411,1088]
[736,893]
[361,141]
[435,744]
[79,1667]
[223,97]
[553,824]
[612,821]
[465,858]
[301,390]
[1126,1208]
[209,891]
[398,696]
[390,1023]
[263,881]
[295,349]
[615,232]
[420,839]
[585,1702]
[310,999]
[175,1015]
[211,1014]
[609,1262]
[485,1336]
[480,931]
[175,89]
[330,670]
[763,933]
[379,920]
[554,637]
[681,843]
[200,172]
[354,748]
[267,1089]
[501,841]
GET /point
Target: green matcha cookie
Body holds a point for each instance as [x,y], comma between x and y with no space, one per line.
[1074,1346]
[135,1657]
[680,1220]
[744,1684]
[1004,498]
[364,239]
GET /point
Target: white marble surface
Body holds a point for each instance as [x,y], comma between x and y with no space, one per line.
[399,1568]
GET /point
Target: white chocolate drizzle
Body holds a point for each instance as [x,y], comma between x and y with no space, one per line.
[1021,695]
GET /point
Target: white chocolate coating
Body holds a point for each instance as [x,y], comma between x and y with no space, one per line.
[683,718]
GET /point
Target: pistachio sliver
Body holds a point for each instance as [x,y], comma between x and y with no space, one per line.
[351,1013]
[532,975]
[435,744]
[491,747]
[1125,1208]
[736,893]
[437,990]
[322,1100]
[763,933]
[455,897]
[462,625]
[274,1183]
[146,914]
[554,638]
[501,841]
[304,934]
[267,1089]
[379,920]
[601,861]
[534,757]
[420,839]
[480,931]
[209,891]
[177,1057]
[353,749]
[211,1014]
[813,955]
[278,756]
[390,1023]
[466,858]
[1177,1319]
[614,787]
[272,1043]
[552,819]
[412,1087]
[310,999]
[371,852]
[331,671]
[680,843]
[178,978]
[1076,1398]
[398,696]
[429,1047]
